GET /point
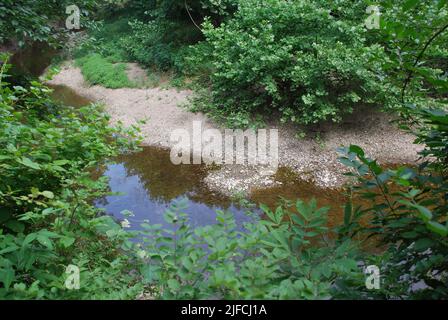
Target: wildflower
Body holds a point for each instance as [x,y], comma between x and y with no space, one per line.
[125,223]
[142,254]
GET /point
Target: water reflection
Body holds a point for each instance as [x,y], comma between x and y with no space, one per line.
[67,96]
[32,60]
[150,183]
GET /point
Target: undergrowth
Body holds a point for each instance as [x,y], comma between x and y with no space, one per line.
[98,70]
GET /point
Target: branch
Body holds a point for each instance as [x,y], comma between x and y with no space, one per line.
[419,57]
[191,17]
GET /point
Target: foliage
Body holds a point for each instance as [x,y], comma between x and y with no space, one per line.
[304,61]
[415,37]
[162,30]
[97,70]
[408,210]
[31,20]
[47,220]
[158,43]
[298,59]
[286,256]
[105,38]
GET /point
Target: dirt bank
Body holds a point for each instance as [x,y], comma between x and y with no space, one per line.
[314,160]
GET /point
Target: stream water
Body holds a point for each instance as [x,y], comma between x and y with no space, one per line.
[148,183]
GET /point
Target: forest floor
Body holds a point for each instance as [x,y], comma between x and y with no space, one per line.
[312,159]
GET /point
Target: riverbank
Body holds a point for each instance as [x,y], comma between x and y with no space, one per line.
[312,159]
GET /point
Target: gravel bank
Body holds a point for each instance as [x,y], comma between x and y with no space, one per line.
[314,160]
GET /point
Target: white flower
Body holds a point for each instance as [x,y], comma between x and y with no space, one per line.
[142,254]
[125,223]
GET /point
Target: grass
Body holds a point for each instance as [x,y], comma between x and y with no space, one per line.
[101,59]
[98,70]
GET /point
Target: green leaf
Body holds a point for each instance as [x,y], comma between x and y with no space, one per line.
[29,238]
[7,276]
[357,150]
[48,194]
[67,241]
[61,162]
[348,209]
[45,241]
[15,226]
[410,4]
[423,244]
[410,235]
[437,228]
[346,162]
[11,248]
[173,284]
[268,212]
[27,162]
[425,213]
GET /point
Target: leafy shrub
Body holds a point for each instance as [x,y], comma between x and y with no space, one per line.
[415,37]
[286,256]
[97,70]
[162,30]
[407,210]
[47,220]
[105,38]
[296,58]
[29,20]
[158,43]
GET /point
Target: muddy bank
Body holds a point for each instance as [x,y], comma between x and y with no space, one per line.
[313,160]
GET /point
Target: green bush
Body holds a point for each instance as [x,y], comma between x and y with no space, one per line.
[415,37]
[286,256]
[97,70]
[300,59]
[47,220]
[407,210]
[159,43]
[30,21]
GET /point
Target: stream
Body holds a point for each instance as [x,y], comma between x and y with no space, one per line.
[147,183]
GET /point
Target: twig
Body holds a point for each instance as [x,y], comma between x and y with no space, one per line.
[191,17]
[411,72]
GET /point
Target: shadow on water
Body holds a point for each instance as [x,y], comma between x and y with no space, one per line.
[68,97]
[149,184]
[32,60]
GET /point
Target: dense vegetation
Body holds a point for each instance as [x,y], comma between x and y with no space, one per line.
[296,61]
[28,20]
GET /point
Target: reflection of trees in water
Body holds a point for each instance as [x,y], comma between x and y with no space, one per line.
[33,60]
[165,181]
[68,96]
[95,174]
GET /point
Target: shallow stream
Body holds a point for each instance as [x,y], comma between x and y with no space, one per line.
[149,183]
